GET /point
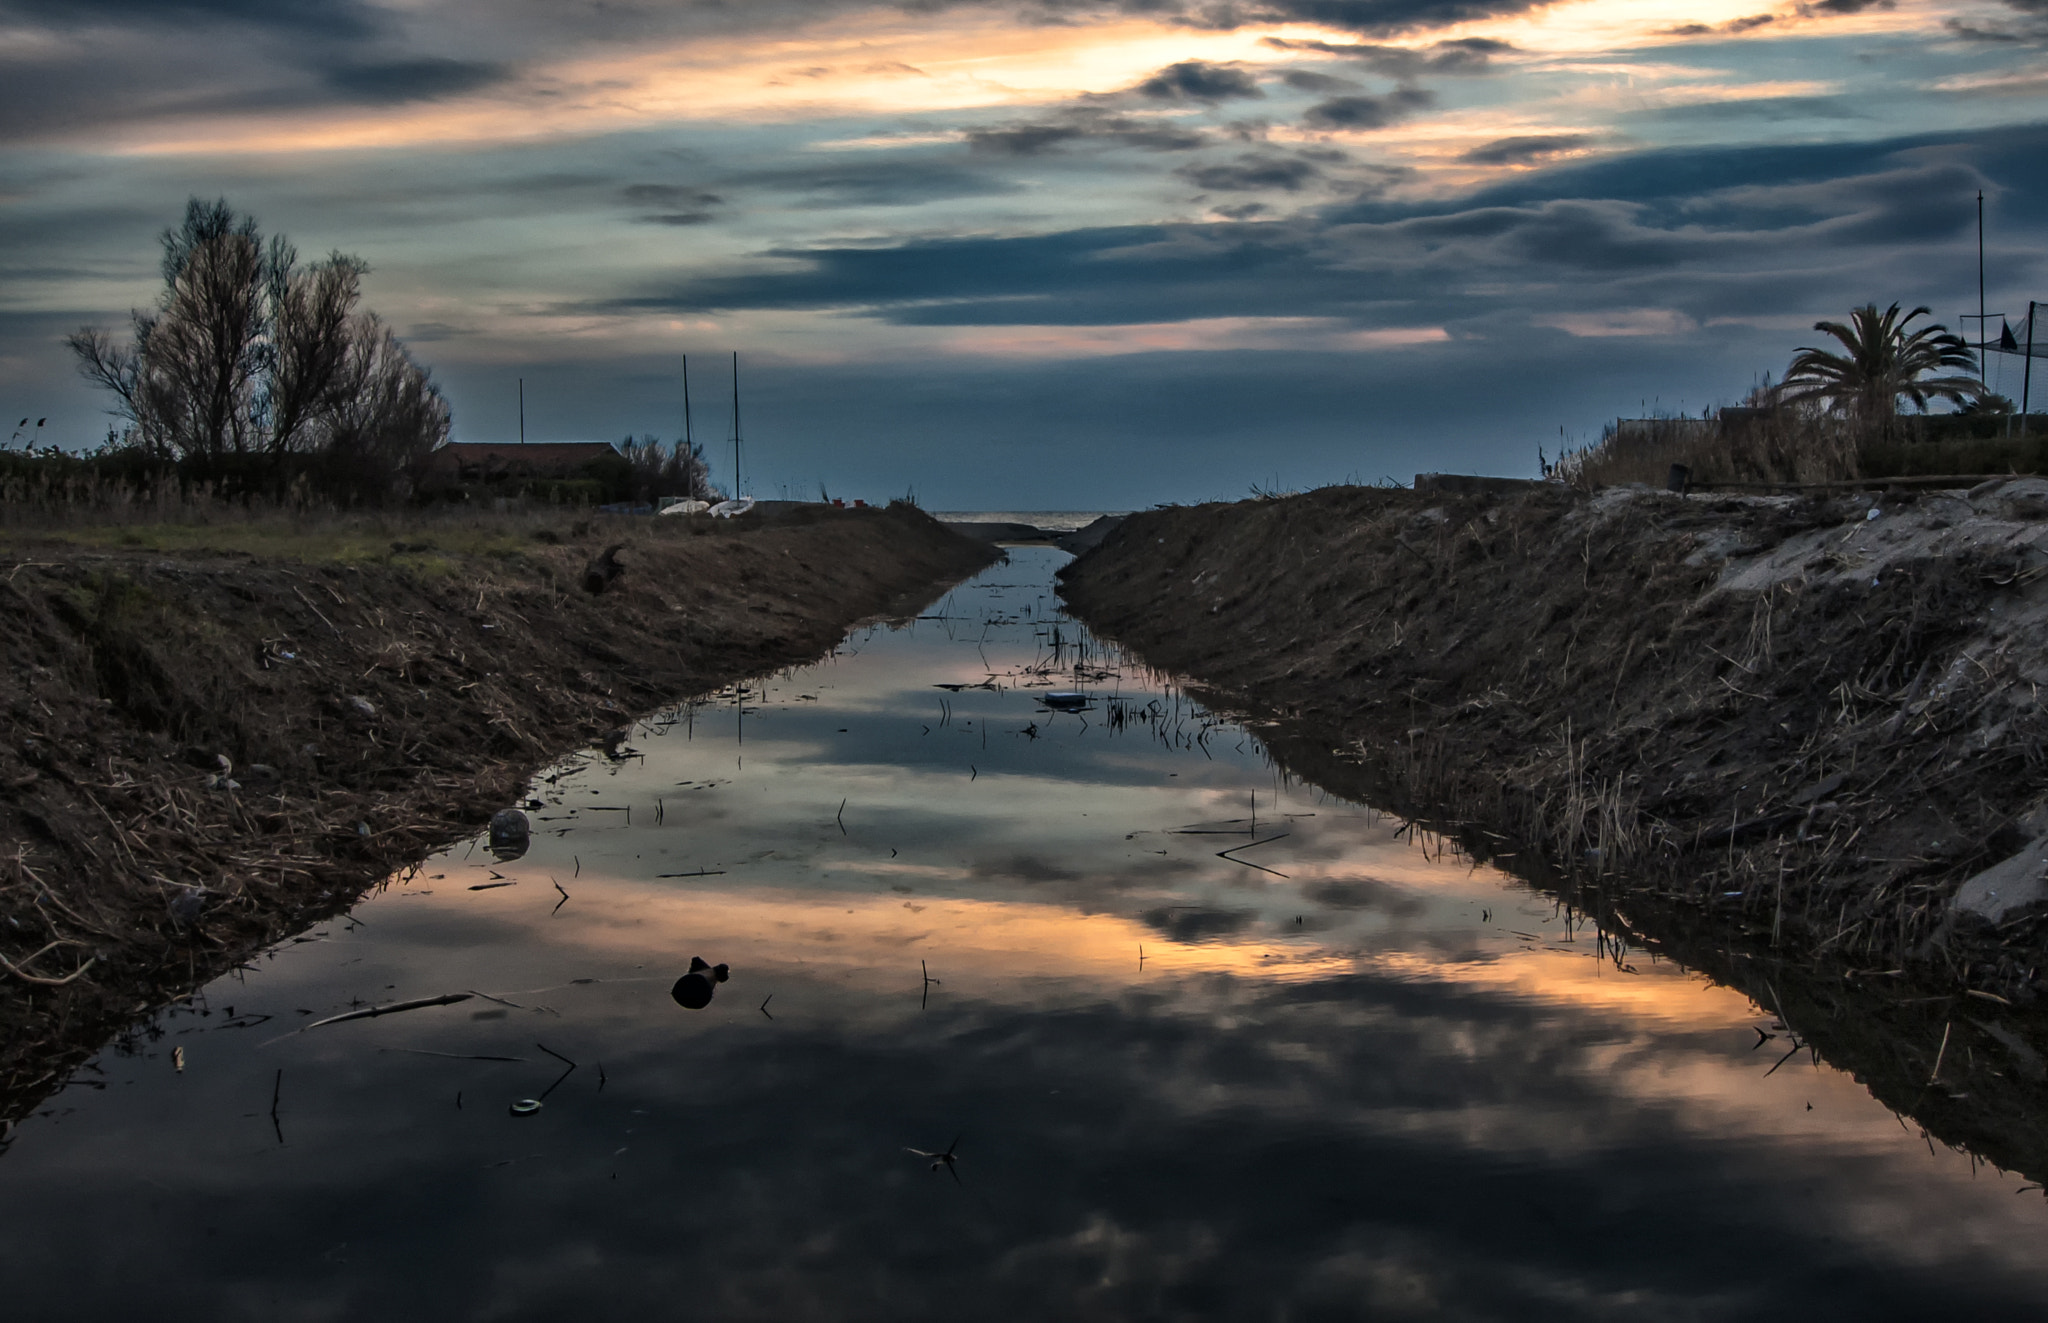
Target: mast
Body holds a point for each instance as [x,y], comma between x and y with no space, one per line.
[736,424]
[522,411]
[1982,370]
[2027,373]
[687,436]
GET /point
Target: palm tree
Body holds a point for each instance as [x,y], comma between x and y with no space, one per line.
[1885,361]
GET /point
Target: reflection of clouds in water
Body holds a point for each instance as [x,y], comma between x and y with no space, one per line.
[1195,923]
[1387,1110]
[1365,893]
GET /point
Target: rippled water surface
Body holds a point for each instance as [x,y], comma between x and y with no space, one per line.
[1333,1073]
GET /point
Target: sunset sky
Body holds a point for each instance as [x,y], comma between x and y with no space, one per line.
[1052,255]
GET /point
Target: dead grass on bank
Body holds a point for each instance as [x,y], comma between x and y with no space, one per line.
[1818,765]
[1785,447]
[203,749]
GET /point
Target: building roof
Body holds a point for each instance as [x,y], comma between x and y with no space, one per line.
[535,453]
[474,460]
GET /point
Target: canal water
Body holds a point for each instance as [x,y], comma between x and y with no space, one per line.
[1201,1043]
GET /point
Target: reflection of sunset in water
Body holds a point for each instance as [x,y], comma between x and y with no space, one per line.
[1160,995]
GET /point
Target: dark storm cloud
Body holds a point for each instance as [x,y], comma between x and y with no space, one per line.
[1714,234]
[1368,112]
[1080,126]
[1385,17]
[1524,149]
[1197,80]
[1253,172]
[414,80]
[1467,55]
[343,17]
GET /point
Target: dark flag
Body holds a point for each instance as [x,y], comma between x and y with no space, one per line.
[2007,344]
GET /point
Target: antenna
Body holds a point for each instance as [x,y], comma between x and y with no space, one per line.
[522,411]
[735,424]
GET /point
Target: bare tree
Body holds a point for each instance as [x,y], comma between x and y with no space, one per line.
[662,469]
[249,353]
[387,416]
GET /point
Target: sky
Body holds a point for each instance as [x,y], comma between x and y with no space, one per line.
[1043,254]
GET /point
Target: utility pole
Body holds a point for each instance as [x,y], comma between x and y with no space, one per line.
[736,422]
[522,411]
[2027,373]
[1982,379]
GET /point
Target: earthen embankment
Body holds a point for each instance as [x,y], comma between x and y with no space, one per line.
[206,750]
[1809,721]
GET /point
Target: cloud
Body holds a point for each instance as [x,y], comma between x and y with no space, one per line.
[1305,80]
[331,17]
[1253,172]
[1384,17]
[1080,125]
[1464,56]
[1368,112]
[414,80]
[1197,80]
[1526,148]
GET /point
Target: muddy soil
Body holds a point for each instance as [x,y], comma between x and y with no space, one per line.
[1788,719]
[202,754]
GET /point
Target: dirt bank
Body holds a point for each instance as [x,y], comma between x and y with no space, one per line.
[1806,724]
[204,752]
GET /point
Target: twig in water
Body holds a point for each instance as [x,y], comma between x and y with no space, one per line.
[559,1078]
[563,901]
[945,1159]
[451,1056]
[764,1004]
[925,1000]
[840,817]
[1231,854]
[372,1012]
[488,886]
[276,1087]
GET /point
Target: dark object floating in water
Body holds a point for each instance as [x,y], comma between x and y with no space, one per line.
[693,990]
[525,1106]
[510,833]
[1065,701]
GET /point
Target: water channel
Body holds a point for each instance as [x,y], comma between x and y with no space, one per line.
[1202,1041]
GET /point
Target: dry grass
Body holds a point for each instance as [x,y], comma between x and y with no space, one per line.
[1786,447]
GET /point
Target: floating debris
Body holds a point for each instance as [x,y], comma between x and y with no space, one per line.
[693,990]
